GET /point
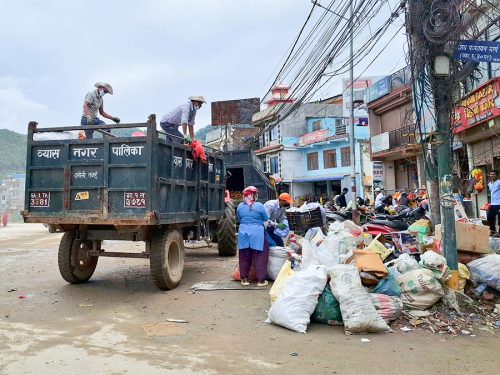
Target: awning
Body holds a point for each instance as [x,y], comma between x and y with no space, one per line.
[318,179]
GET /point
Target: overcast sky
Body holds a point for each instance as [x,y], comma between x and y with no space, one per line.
[155,53]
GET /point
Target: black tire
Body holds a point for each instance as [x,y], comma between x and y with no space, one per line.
[226,232]
[52,228]
[74,265]
[167,259]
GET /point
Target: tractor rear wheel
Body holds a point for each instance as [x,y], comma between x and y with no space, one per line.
[76,265]
[167,259]
[226,232]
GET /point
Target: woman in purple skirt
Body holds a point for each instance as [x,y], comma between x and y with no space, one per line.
[252,244]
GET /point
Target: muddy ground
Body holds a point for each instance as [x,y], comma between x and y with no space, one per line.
[117,324]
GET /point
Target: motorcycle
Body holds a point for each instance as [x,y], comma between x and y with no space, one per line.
[387,224]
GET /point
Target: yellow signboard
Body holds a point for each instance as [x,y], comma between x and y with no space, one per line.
[82,195]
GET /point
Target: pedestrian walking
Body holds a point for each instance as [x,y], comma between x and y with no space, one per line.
[253,248]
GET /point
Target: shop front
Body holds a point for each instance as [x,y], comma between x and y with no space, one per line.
[477,126]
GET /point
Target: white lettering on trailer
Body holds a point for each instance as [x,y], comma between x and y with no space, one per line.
[126,150]
[48,154]
[178,161]
[85,152]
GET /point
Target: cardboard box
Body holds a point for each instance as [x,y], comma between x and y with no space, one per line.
[470,237]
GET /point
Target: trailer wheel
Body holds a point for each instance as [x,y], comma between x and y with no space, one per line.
[226,232]
[52,228]
[75,264]
[167,259]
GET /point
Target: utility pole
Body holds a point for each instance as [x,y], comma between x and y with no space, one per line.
[443,105]
[352,150]
[433,34]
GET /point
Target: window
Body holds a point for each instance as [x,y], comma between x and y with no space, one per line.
[329,159]
[340,126]
[345,157]
[264,163]
[273,134]
[312,161]
[273,162]
[316,125]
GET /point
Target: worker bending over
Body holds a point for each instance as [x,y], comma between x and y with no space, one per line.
[278,224]
[182,115]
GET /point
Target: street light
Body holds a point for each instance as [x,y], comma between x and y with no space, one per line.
[352,151]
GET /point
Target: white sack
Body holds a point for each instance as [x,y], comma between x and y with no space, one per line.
[358,313]
[277,257]
[298,299]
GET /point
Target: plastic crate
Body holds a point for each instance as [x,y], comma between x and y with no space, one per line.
[301,222]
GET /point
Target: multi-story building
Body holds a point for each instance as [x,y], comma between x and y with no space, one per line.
[12,195]
[477,115]
[308,152]
[395,151]
[231,137]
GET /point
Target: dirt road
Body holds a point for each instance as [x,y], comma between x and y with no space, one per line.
[117,324]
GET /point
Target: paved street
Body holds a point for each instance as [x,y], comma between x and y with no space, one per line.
[117,324]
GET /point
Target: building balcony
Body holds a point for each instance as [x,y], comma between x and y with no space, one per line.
[397,142]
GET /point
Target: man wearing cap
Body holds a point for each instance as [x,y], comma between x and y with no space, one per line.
[182,115]
[93,102]
[278,228]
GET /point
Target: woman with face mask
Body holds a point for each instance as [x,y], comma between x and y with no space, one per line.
[184,115]
[92,104]
[252,245]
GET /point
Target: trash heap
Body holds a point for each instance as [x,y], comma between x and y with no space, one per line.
[341,279]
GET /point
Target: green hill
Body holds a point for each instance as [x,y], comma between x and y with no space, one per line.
[13,146]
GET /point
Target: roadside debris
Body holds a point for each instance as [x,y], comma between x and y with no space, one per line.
[340,278]
[222,285]
[177,321]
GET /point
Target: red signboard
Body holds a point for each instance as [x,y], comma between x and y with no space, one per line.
[478,107]
[313,137]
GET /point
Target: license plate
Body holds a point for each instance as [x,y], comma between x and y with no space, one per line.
[134,199]
[40,199]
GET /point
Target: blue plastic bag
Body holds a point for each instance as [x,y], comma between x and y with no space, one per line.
[388,286]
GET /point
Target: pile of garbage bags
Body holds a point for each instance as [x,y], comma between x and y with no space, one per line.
[341,279]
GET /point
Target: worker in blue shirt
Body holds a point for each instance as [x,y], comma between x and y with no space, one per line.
[183,115]
[252,245]
[493,211]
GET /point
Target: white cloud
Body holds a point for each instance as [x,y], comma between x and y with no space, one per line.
[16,109]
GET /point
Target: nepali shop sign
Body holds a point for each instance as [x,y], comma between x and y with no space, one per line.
[480,106]
[478,50]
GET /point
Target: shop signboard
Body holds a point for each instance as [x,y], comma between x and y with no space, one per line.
[478,50]
[360,88]
[478,107]
[378,175]
[378,89]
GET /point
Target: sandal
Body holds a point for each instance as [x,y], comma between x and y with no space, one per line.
[263,283]
[244,283]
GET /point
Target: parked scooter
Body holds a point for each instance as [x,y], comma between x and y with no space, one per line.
[334,214]
[387,224]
